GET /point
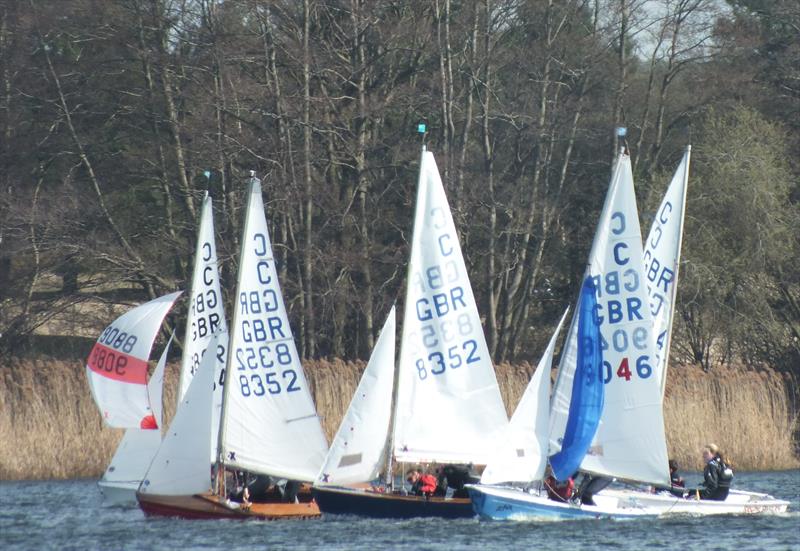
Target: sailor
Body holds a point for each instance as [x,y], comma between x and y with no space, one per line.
[421,484]
[717,475]
[674,477]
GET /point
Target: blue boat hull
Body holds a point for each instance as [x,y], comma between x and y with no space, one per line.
[338,500]
[493,503]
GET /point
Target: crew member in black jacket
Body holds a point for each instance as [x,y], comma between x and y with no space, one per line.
[717,475]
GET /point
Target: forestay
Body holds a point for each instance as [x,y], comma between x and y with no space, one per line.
[449,408]
[524,454]
[269,423]
[662,252]
[206,316]
[117,365]
[138,447]
[630,441]
[357,450]
[180,466]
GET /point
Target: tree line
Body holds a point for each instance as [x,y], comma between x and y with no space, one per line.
[118,116]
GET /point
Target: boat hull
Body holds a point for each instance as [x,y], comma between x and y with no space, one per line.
[339,500]
[737,503]
[506,503]
[209,506]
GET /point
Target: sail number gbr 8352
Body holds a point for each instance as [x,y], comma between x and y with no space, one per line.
[264,353]
[444,307]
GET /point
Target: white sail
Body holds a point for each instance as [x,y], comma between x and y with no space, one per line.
[180,466]
[630,441]
[662,252]
[524,455]
[269,423]
[206,315]
[357,450]
[117,365]
[138,446]
[449,408]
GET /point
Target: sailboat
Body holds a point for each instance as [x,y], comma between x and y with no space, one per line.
[498,502]
[624,436]
[662,251]
[117,374]
[448,408]
[268,424]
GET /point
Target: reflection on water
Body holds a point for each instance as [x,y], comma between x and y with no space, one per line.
[68,515]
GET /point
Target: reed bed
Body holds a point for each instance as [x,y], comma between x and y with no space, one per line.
[51,428]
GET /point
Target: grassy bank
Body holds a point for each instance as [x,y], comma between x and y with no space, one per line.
[51,428]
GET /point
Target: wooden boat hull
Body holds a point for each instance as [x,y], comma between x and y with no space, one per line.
[209,506]
[502,503]
[340,500]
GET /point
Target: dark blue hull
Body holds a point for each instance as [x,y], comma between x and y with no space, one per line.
[337,500]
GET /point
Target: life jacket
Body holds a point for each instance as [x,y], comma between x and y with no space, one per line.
[725,474]
[428,484]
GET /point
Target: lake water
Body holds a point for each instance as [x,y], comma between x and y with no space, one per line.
[69,515]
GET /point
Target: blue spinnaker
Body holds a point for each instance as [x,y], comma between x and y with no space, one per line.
[586,402]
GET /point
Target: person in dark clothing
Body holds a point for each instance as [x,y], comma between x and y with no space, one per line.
[457,477]
[674,477]
[589,486]
[677,485]
[717,476]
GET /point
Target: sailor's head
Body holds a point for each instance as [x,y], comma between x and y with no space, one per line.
[710,451]
[673,465]
[412,477]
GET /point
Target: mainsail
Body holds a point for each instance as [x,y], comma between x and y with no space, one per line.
[524,455]
[357,450]
[269,422]
[206,316]
[449,408]
[662,252]
[117,365]
[630,441]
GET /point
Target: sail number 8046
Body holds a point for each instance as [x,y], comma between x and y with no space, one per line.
[643,369]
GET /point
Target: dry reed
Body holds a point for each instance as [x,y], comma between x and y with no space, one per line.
[51,428]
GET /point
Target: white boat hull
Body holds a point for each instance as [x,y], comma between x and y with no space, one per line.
[737,503]
[508,503]
[118,493]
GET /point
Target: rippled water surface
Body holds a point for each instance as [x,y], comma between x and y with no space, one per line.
[69,515]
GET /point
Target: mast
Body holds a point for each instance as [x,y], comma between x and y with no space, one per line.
[390,471]
[220,471]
